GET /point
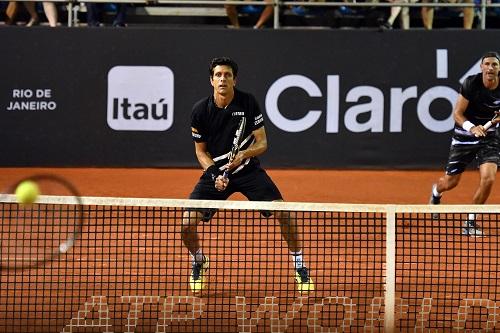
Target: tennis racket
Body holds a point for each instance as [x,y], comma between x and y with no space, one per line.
[33,234]
[489,123]
[235,148]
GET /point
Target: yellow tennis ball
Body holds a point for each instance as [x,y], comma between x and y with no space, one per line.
[27,192]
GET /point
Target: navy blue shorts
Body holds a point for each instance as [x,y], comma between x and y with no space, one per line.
[255,185]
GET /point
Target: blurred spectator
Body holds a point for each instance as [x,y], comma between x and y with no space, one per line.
[94,13]
[428,14]
[265,14]
[494,11]
[402,12]
[49,8]
[350,16]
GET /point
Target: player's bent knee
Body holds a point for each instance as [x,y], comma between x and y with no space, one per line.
[190,219]
[282,216]
[286,219]
[487,182]
[450,182]
[188,232]
[286,215]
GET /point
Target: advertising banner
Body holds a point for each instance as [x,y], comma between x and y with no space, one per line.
[330,98]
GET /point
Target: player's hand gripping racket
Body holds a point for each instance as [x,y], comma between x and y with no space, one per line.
[40,228]
[490,122]
[235,148]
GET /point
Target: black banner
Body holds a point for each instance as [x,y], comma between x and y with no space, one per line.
[331,98]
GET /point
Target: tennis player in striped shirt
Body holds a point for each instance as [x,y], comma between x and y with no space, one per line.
[478,102]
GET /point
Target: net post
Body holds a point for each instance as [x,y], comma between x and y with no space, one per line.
[390,270]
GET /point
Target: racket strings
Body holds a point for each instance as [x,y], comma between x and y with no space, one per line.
[34,233]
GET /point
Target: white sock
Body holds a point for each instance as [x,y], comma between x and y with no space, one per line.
[435,192]
[298,261]
[197,257]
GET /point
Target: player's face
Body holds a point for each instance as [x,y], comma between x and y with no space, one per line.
[490,68]
[223,80]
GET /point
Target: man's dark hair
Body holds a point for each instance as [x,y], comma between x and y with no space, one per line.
[490,54]
[223,61]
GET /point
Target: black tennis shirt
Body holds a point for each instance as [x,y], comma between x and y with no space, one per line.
[483,102]
[217,126]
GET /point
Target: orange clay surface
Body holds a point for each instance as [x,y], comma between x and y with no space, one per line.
[342,186]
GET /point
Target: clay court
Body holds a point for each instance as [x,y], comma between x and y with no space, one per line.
[115,279]
[341,186]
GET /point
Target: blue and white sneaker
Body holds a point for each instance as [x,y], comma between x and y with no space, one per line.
[434,200]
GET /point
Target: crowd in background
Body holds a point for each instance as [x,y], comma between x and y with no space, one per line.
[29,13]
[94,14]
[13,7]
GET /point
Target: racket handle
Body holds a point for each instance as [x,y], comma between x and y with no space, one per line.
[225,174]
[487,125]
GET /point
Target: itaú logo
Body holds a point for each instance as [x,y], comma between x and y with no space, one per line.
[140,98]
[372,111]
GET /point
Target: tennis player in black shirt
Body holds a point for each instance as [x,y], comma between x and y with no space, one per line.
[477,103]
[214,122]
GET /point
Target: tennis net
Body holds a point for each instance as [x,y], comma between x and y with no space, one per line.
[376,268]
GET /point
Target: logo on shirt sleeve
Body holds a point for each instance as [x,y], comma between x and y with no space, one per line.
[258,119]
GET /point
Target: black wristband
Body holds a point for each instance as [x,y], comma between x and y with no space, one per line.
[213,171]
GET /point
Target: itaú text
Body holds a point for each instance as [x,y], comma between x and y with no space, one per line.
[374,109]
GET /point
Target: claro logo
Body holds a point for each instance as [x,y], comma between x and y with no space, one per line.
[140,98]
[373,111]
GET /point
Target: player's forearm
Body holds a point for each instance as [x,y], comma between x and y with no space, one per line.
[459,119]
[205,160]
[258,148]
[459,110]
